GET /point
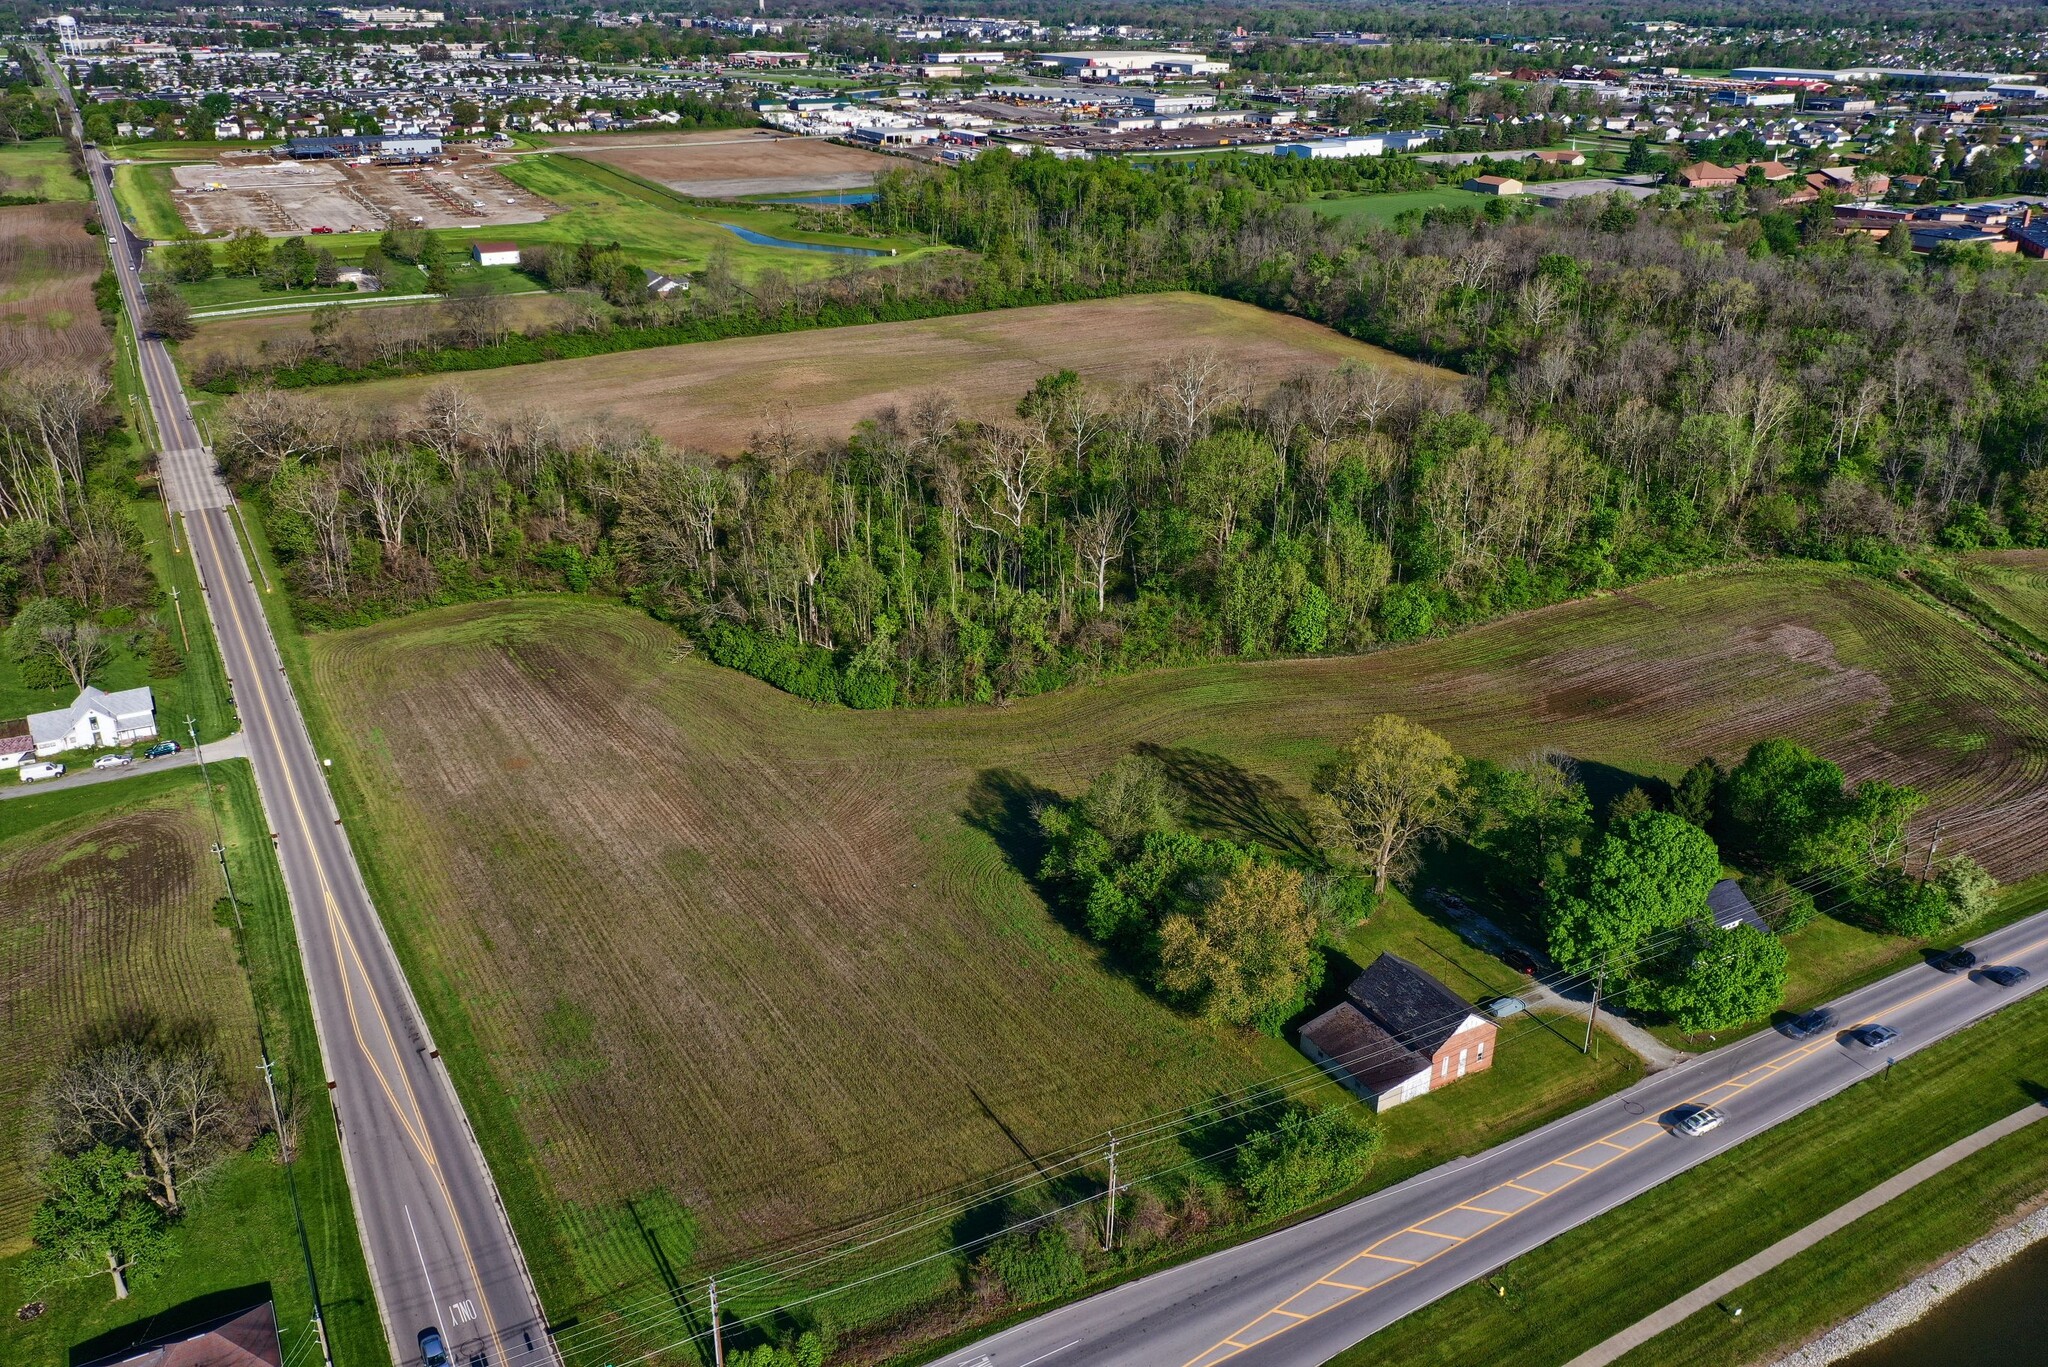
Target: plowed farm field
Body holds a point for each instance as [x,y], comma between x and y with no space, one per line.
[729,163]
[710,947]
[102,911]
[48,263]
[712,396]
[2013,582]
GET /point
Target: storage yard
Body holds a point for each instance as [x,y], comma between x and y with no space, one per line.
[281,198]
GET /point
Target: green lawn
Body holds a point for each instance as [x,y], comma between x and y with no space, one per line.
[1385,208]
[144,194]
[1560,1299]
[154,830]
[227,291]
[41,168]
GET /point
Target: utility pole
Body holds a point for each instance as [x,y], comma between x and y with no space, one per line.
[717,1336]
[1932,846]
[1593,1010]
[1109,1211]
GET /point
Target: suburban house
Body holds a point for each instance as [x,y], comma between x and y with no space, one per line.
[1494,185]
[1560,158]
[495,253]
[96,719]
[661,286]
[1730,907]
[247,1339]
[1398,1034]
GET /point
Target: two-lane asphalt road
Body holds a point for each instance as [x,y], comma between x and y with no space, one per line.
[441,1251]
[1299,1297]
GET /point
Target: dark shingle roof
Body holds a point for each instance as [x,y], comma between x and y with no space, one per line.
[1730,907]
[1374,1059]
[1408,1003]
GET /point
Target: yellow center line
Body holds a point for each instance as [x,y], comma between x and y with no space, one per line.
[338,929]
[1205,1358]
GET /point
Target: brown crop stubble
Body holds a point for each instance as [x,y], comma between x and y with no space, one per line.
[48,263]
[764,959]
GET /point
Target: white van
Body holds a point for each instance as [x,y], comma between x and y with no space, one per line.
[31,772]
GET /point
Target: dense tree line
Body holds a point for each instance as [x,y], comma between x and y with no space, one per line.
[1649,389]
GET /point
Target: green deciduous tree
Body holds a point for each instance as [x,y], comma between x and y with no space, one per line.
[1036,1265]
[1247,956]
[1533,816]
[96,1219]
[190,260]
[1734,976]
[1305,1156]
[1131,799]
[246,252]
[1394,786]
[1697,795]
[1794,809]
[1648,874]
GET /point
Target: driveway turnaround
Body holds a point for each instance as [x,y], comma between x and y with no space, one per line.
[1299,1297]
[440,1249]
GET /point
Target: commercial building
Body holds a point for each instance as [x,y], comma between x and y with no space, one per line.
[494,253]
[387,147]
[1326,149]
[1109,65]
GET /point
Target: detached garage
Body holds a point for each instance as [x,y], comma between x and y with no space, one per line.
[494,253]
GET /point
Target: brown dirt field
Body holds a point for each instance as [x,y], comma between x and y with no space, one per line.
[281,197]
[728,164]
[99,913]
[48,263]
[712,396]
[777,963]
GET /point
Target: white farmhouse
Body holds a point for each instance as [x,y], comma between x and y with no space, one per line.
[96,719]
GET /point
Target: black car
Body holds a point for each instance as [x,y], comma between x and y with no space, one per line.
[2005,975]
[1874,1036]
[433,1352]
[1810,1024]
[1956,961]
[1521,961]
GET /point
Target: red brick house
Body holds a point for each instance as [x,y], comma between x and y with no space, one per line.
[1399,1033]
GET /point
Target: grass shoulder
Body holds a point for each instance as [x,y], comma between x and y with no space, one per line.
[41,167]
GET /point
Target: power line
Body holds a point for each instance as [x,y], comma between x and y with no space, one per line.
[794,1260]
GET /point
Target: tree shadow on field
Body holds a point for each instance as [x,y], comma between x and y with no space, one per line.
[1605,783]
[1004,805]
[1232,801]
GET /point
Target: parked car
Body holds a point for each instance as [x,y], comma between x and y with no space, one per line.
[433,1352]
[31,772]
[1700,1121]
[323,228]
[2005,975]
[1521,961]
[1956,961]
[1810,1024]
[1874,1036]
[161,749]
[113,761]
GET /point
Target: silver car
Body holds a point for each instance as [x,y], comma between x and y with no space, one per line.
[1700,1121]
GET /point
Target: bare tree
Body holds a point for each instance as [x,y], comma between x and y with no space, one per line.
[1099,540]
[79,648]
[156,1092]
[258,430]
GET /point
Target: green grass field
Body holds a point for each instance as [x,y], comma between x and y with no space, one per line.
[1386,208]
[144,195]
[2014,583]
[110,897]
[683,855]
[1561,1299]
[42,168]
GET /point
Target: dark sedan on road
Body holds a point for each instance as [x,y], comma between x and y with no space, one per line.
[1956,961]
[2006,975]
[433,1352]
[1810,1024]
[1874,1036]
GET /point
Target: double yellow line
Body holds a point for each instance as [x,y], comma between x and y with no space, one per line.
[1417,1245]
[409,1113]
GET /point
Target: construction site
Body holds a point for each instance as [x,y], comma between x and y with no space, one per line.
[281,198]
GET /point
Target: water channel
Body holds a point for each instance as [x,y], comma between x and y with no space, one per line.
[1999,1320]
